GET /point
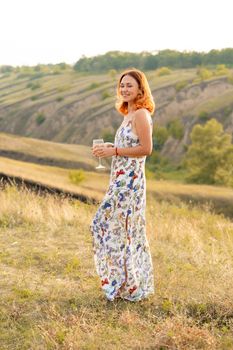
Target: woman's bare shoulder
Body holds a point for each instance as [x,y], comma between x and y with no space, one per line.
[143,113]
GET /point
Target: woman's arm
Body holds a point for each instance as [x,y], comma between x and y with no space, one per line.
[144,132]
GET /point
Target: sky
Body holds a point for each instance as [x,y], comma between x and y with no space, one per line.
[49,31]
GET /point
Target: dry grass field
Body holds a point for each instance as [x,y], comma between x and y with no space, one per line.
[95,184]
[51,296]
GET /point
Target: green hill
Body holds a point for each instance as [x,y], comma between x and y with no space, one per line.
[48,152]
[74,108]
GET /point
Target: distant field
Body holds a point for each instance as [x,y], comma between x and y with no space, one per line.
[46,149]
[96,183]
[15,87]
[55,176]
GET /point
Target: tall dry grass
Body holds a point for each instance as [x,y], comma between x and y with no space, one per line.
[51,296]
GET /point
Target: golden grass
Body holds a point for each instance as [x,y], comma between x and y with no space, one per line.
[46,149]
[56,177]
[51,296]
[95,183]
[204,191]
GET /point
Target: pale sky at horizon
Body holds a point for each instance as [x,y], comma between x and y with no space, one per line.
[49,31]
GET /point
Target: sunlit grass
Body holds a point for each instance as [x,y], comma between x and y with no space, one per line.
[46,149]
[95,183]
[51,296]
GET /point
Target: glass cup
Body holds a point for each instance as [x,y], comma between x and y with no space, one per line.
[99,142]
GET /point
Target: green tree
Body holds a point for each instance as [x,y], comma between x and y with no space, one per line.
[62,65]
[107,135]
[209,158]
[6,69]
[176,129]
[144,60]
[160,135]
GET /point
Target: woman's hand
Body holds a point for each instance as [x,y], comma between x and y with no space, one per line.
[109,144]
[103,150]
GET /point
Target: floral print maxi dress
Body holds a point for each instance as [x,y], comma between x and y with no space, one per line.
[121,251]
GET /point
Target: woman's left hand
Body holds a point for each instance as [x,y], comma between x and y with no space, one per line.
[103,151]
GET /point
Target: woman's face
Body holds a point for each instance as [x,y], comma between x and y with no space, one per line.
[129,88]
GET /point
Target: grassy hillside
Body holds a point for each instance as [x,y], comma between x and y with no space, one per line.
[71,107]
[51,296]
[47,152]
[95,184]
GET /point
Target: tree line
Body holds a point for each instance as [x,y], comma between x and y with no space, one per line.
[119,60]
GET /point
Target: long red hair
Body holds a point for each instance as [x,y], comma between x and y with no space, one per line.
[144,101]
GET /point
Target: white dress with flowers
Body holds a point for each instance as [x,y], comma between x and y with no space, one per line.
[121,251]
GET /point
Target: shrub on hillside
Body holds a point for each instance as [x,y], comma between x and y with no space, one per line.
[93,85]
[34,97]
[34,86]
[176,129]
[204,73]
[105,94]
[56,72]
[59,98]
[227,110]
[40,118]
[164,71]
[76,176]
[37,76]
[160,135]
[180,85]
[209,158]
[203,115]
[156,160]
[24,75]
[221,69]
[112,73]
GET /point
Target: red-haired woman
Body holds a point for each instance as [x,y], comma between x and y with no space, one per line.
[121,250]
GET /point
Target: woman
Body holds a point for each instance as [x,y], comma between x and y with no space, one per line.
[121,250]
